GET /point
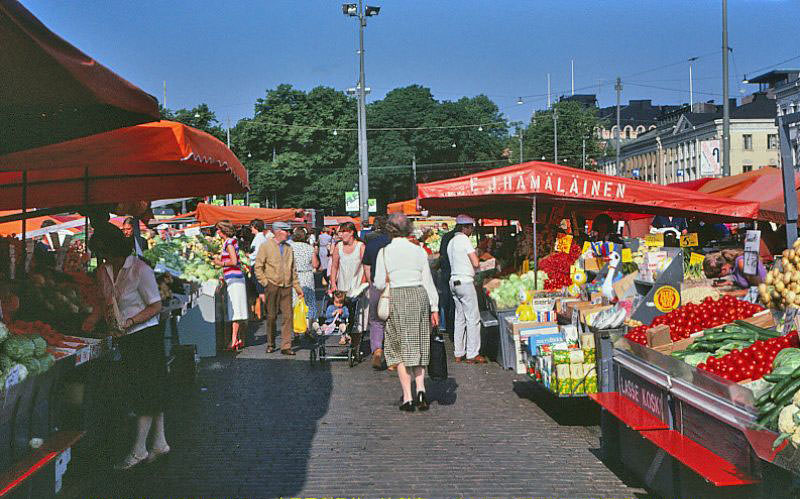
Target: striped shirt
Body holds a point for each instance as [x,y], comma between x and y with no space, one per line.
[230,271]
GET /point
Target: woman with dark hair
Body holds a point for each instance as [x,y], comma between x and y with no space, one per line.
[347,271]
[414,304]
[128,285]
[234,281]
[305,261]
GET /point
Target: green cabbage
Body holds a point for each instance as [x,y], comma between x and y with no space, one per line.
[39,345]
[6,363]
[32,365]
[4,332]
[46,361]
[18,347]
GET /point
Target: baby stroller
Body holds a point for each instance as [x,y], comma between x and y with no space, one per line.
[357,304]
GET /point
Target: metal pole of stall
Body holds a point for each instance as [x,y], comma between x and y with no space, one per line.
[86,204]
[24,208]
[788,170]
[535,252]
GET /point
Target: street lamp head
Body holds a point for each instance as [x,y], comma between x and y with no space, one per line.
[480,128]
[454,144]
[519,101]
[197,115]
[371,11]
[335,132]
[350,9]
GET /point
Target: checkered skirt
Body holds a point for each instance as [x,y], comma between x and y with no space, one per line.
[408,330]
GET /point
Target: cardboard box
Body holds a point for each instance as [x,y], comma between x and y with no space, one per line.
[537,340]
[591,309]
[763,319]
[658,336]
[526,328]
[674,346]
[624,288]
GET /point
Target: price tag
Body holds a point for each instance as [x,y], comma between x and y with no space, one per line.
[62,252]
[61,463]
[12,255]
[752,240]
[752,294]
[586,246]
[219,202]
[12,378]
[750,262]
[689,240]
[575,318]
[564,243]
[238,202]
[654,240]
[626,255]
[192,231]
[789,318]
[83,355]
[255,205]
[696,258]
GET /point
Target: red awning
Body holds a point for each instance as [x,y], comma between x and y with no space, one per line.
[51,92]
[209,214]
[691,185]
[505,191]
[159,160]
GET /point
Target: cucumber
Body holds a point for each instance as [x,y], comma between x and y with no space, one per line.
[763,398]
[767,419]
[766,408]
[760,330]
[785,395]
[774,377]
[778,388]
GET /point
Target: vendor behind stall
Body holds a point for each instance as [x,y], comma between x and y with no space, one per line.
[730,264]
[604,230]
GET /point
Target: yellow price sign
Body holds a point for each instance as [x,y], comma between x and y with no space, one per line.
[626,255]
[564,243]
[586,246]
[654,240]
[689,240]
[696,258]
[667,299]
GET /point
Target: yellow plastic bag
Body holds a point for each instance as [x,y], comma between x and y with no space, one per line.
[300,313]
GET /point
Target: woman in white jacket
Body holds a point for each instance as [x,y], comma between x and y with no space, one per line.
[414,305]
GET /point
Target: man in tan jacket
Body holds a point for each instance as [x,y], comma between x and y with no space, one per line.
[275,271]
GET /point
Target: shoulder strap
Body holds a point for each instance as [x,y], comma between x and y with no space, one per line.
[385,268]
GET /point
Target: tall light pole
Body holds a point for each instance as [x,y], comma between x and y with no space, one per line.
[726,111]
[362,13]
[691,84]
[618,88]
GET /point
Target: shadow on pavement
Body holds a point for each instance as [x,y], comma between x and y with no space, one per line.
[578,411]
[625,475]
[245,419]
[443,392]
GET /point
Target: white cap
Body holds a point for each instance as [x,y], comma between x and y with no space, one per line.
[163,227]
[465,220]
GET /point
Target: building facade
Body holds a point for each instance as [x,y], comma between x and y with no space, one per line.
[686,143]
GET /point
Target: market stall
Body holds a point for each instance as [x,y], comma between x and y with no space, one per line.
[718,422]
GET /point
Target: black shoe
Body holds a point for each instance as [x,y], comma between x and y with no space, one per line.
[408,406]
[422,401]
[288,351]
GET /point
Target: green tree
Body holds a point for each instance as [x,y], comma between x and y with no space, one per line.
[200,117]
[576,123]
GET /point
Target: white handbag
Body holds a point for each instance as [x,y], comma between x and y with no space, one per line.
[384,303]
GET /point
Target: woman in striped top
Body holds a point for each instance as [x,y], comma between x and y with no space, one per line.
[234,281]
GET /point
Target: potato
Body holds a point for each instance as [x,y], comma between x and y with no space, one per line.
[791,297]
[796,244]
[769,280]
[776,294]
[796,260]
[762,288]
[785,253]
[788,268]
[780,286]
[787,278]
[785,261]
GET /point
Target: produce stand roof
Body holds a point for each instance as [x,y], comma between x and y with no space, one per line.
[764,185]
[149,161]
[406,207]
[209,214]
[15,227]
[51,92]
[503,191]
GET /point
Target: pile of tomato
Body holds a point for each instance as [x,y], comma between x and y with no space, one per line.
[750,363]
[691,318]
[556,266]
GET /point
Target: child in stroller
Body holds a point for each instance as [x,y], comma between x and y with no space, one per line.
[336,317]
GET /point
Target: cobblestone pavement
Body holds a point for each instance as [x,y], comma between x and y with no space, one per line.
[259,425]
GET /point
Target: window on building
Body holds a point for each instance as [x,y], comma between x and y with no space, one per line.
[747,168]
[747,139]
[628,131]
[772,141]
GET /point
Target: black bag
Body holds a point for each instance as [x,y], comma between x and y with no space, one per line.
[437,367]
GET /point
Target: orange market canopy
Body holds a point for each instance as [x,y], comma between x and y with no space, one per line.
[406,207]
[149,161]
[209,214]
[51,92]
[507,193]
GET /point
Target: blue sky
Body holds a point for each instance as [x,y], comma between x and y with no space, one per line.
[227,54]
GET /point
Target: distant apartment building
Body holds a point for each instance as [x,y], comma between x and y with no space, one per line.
[685,142]
[636,117]
[784,86]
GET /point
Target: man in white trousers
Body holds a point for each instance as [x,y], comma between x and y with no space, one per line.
[463,262]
